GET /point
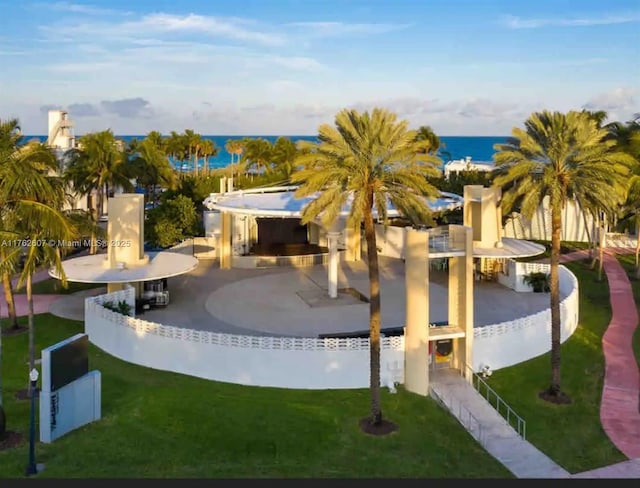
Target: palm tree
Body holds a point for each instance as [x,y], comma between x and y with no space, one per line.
[34,196]
[627,137]
[258,154]
[177,148]
[435,146]
[372,158]
[150,166]
[10,140]
[99,163]
[208,150]
[562,157]
[284,155]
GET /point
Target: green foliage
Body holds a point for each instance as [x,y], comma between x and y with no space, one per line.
[122,307]
[538,280]
[457,180]
[171,222]
[195,187]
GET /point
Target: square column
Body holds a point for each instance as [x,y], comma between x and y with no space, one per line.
[461,299]
[225,241]
[416,335]
[334,258]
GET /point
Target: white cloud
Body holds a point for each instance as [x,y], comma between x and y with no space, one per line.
[231,28]
[295,62]
[82,67]
[619,100]
[514,22]
[335,29]
[77,8]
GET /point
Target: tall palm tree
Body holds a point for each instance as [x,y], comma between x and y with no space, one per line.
[562,156]
[150,166]
[177,149]
[435,145]
[258,154]
[99,163]
[34,196]
[627,137]
[284,155]
[372,158]
[10,141]
[208,149]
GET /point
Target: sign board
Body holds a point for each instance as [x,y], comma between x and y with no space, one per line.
[70,396]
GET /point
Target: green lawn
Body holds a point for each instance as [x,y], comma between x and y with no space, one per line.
[628,263]
[158,424]
[164,425]
[53,286]
[569,434]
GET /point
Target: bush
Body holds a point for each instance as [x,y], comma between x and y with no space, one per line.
[171,222]
[538,280]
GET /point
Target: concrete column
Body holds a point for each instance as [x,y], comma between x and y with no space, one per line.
[229,184]
[416,336]
[461,301]
[332,237]
[225,241]
[223,184]
[354,246]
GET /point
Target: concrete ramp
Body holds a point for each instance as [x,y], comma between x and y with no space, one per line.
[490,428]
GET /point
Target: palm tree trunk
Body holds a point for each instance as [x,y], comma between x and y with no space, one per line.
[374,315]
[586,228]
[601,249]
[32,346]
[593,254]
[554,293]
[195,162]
[8,296]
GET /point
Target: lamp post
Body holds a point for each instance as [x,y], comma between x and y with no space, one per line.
[31,467]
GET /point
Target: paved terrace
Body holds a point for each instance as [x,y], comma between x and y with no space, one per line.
[294,302]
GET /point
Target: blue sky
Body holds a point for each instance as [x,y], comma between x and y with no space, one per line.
[277,67]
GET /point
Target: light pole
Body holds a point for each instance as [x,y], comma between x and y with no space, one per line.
[31,467]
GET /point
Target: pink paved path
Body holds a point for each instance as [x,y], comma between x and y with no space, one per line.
[620,404]
[41,303]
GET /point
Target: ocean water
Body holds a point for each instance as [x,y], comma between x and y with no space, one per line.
[479,148]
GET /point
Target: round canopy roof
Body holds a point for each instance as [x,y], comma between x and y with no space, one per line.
[91,269]
[281,202]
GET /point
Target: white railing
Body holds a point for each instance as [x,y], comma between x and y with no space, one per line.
[299,362]
[514,420]
[286,362]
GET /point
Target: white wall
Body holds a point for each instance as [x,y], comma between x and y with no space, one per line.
[390,242]
[509,343]
[305,363]
[515,271]
[539,226]
[292,362]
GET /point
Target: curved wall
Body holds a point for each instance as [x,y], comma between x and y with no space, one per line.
[305,363]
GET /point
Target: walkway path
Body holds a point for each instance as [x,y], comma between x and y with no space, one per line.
[620,404]
[619,409]
[41,303]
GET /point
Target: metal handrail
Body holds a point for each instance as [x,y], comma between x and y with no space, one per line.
[471,419]
[511,417]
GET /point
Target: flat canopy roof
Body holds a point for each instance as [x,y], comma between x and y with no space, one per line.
[281,202]
[511,248]
[90,269]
